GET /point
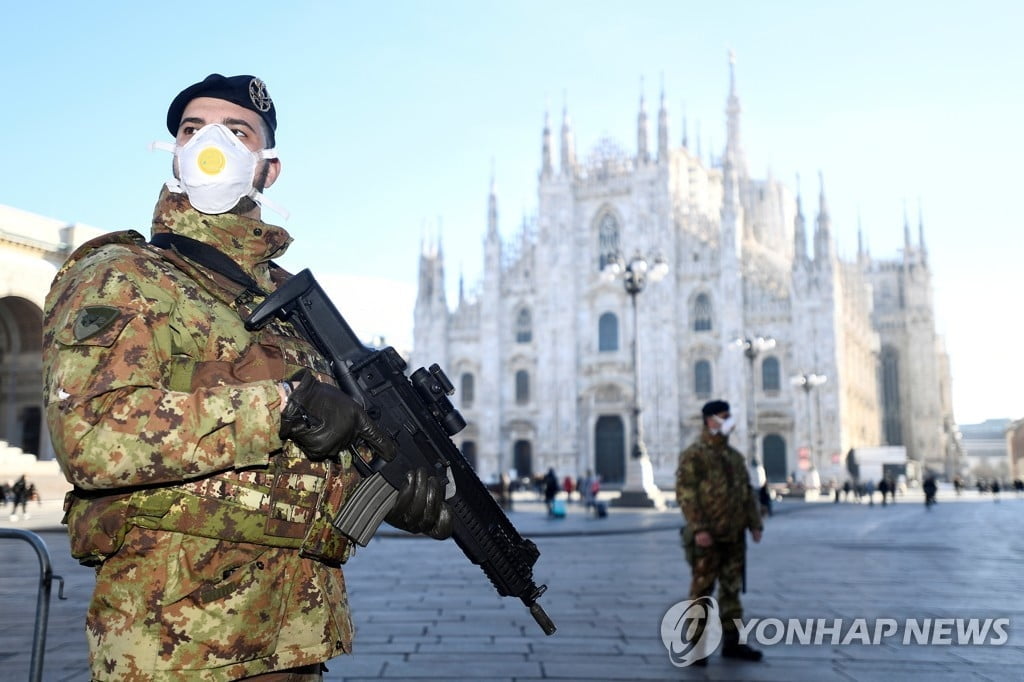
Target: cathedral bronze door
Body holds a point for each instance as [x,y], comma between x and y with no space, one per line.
[775,458]
[522,458]
[610,449]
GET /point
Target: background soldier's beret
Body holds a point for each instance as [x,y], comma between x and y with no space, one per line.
[245,91]
[714,407]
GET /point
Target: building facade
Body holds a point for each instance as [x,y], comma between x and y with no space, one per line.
[541,352]
[32,248]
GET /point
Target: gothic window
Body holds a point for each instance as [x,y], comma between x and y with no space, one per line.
[522,387]
[702,379]
[524,326]
[702,313]
[466,389]
[607,239]
[891,396]
[770,375]
[608,332]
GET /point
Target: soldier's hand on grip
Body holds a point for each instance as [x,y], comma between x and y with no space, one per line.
[420,507]
[322,420]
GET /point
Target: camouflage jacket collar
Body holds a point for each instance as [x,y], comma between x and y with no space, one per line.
[716,440]
[249,242]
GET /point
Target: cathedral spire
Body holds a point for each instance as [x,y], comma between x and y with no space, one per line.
[643,154]
[860,239]
[908,247]
[662,126]
[492,207]
[442,302]
[547,153]
[733,147]
[686,142]
[920,233]
[799,229]
[823,230]
[568,166]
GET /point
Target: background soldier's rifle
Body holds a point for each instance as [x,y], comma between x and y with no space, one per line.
[415,411]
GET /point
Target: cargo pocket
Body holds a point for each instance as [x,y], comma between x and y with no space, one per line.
[223,606]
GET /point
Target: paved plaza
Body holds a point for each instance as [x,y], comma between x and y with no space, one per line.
[423,612]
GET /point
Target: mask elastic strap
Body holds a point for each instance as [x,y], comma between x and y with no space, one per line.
[172,185]
[262,200]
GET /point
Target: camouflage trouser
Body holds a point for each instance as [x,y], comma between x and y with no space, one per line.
[722,561]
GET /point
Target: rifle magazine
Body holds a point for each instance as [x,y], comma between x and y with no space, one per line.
[365,510]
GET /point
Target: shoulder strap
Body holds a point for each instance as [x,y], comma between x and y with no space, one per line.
[208,257]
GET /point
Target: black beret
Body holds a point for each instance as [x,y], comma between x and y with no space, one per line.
[714,407]
[245,91]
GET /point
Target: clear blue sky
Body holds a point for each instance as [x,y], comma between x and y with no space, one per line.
[392,114]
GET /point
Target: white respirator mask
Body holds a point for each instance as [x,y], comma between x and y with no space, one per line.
[217,170]
[725,426]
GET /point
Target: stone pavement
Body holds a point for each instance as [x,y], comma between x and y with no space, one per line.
[423,612]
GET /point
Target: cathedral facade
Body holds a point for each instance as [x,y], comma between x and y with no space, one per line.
[542,353]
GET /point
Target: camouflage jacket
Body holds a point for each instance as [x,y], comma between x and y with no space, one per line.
[713,489]
[164,414]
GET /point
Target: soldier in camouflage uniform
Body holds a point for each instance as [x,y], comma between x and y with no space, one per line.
[714,492]
[207,460]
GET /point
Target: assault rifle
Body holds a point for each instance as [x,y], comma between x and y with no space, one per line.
[416,412]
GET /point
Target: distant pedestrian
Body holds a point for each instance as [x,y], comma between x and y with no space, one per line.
[930,489]
[595,487]
[869,490]
[995,490]
[505,491]
[585,493]
[568,486]
[883,487]
[20,493]
[846,490]
[1018,486]
[892,489]
[550,485]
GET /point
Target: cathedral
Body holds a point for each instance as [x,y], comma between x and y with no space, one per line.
[560,363]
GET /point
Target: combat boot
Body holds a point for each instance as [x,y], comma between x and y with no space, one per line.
[731,648]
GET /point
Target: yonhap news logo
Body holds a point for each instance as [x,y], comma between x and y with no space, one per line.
[691,630]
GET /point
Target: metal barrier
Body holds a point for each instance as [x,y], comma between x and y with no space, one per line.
[46,578]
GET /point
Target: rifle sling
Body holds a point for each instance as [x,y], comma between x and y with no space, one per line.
[209,257]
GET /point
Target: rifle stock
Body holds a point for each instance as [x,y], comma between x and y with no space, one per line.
[416,412]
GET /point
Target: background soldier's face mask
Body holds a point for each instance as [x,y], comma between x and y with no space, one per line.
[725,426]
[215,170]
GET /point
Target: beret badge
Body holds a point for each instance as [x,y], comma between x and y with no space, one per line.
[259,95]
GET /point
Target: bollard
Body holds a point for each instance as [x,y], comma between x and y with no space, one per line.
[46,578]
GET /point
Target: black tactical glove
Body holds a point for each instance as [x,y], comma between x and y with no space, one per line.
[322,420]
[420,507]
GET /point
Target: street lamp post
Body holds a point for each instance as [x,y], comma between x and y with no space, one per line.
[808,382]
[752,347]
[639,489]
